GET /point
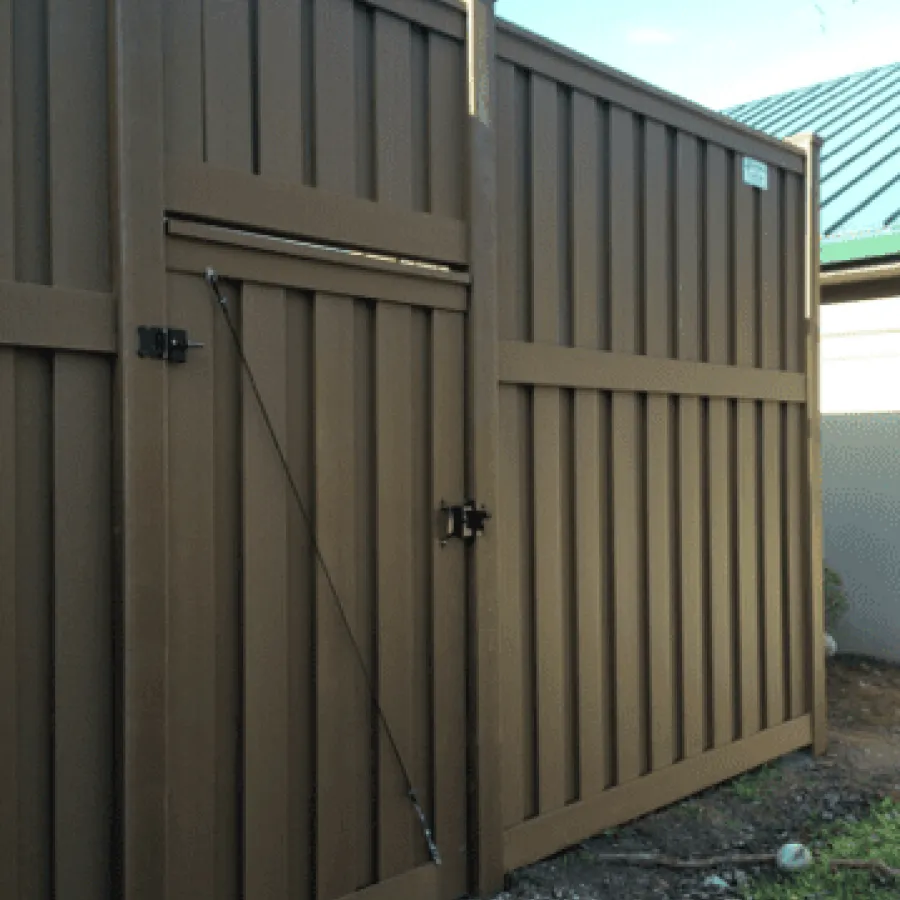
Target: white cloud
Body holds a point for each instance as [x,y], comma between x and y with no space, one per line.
[650,37]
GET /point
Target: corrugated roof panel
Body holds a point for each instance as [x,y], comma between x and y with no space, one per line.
[858,116]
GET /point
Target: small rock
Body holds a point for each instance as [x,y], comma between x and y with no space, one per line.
[793,857]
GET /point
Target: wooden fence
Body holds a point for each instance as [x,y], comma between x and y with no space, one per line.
[459,262]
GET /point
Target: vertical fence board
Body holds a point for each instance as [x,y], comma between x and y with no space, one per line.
[624,428]
[7,143]
[423,660]
[227,82]
[718,328]
[688,344]
[590,581]
[446,123]
[771,522]
[795,580]
[770,332]
[267,637]
[302,568]
[183,72]
[191,623]
[343,787]
[586,242]
[688,233]
[419,79]
[280,82]
[721,575]
[747,555]
[34,619]
[549,603]
[335,139]
[565,212]
[690,540]
[449,586]
[663,681]
[513,197]
[718,324]
[227,461]
[31,115]
[393,403]
[517,607]
[78,139]
[10,862]
[364,89]
[657,263]
[393,111]
[656,276]
[83,734]
[744,275]
[791,252]
[746,354]
[545,223]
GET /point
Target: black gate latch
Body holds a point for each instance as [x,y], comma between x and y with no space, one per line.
[465,521]
[166,344]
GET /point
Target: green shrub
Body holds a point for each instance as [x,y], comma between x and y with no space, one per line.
[836,601]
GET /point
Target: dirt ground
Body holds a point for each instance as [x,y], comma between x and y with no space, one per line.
[794,799]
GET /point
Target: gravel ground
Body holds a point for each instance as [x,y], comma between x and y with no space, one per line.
[793,799]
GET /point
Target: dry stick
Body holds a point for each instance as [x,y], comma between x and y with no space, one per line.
[874,865]
[670,862]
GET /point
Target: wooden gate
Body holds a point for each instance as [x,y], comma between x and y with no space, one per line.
[282,774]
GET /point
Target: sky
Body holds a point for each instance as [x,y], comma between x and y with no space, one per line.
[721,52]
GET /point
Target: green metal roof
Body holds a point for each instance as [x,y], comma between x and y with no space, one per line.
[858,116]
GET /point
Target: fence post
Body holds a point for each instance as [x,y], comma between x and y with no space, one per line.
[811,144]
[483,406]
[138,201]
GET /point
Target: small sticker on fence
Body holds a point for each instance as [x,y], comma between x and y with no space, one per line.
[756,173]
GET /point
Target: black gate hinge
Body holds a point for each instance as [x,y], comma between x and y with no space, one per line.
[464,521]
[165,344]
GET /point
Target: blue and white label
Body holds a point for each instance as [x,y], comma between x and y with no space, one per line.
[756,173]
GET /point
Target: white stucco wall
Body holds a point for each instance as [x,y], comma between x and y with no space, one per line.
[861,468]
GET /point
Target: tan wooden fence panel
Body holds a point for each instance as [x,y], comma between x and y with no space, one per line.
[57,328]
[654,582]
[56,626]
[288,116]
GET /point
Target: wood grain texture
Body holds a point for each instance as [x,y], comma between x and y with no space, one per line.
[183,72]
[396,639]
[342,702]
[721,574]
[449,636]
[545,223]
[79,146]
[228,104]
[34,436]
[549,601]
[7,143]
[587,217]
[517,607]
[268,756]
[590,483]
[83,736]
[10,862]
[280,75]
